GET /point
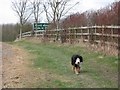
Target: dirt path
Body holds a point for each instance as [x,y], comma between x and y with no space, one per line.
[0,65]
[15,67]
[17,71]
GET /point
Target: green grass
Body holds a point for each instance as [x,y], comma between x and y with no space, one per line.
[54,58]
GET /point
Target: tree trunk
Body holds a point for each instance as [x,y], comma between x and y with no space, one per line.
[20,32]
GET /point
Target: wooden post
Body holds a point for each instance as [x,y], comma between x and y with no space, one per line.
[76,37]
[103,39]
[21,26]
[95,37]
[69,34]
[82,34]
[110,40]
[112,35]
[20,33]
[95,34]
[89,34]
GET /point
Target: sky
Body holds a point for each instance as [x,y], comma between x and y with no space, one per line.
[7,15]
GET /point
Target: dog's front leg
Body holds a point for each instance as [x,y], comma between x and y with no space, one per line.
[73,68]
[76,71]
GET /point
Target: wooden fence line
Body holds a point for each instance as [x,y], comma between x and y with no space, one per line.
[105,36]
[102,35]
[90,34]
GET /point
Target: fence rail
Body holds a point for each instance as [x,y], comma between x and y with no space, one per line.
[26,34]
[94,33]
[103,35]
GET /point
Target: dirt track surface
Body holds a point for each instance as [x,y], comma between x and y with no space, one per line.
[17,71]
[13,66]
[0,65]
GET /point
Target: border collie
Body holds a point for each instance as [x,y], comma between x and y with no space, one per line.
[76,61]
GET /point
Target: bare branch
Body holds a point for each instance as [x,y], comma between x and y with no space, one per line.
[57,9]
[37,9]
[46,12]
[22,9]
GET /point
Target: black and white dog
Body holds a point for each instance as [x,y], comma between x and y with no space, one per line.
[76,61]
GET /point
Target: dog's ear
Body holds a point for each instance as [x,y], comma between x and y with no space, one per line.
[81,59]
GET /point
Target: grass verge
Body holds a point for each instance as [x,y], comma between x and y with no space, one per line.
[98,71]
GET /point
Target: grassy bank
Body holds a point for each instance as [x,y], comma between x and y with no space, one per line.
[98,71]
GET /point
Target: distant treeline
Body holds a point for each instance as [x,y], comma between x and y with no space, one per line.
[9,32]
[105,16]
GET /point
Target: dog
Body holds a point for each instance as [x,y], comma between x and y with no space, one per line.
[76,61]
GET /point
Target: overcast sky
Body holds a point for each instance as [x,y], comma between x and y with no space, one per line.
[7,15]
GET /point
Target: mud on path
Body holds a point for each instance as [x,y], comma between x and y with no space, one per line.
[16,69]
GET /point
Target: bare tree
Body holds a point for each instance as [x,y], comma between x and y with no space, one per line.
[22,9]
[37,9]
[55,10]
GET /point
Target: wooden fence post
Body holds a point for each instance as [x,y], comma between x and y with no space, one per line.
[95,39]
[103,38]
[82,34]
[69,35]
[112,35]
[88,31]
[76,37]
